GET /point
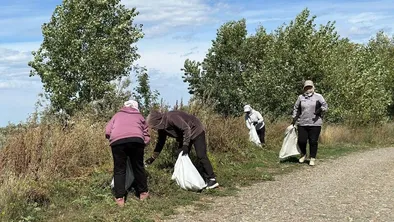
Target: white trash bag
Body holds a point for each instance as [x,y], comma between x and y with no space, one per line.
[253,137]
[290,145]
[129,176]
[186,175]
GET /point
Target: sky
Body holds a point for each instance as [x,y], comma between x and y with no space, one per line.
[175,30]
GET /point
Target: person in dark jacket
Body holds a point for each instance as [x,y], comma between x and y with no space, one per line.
[128,134]
[188,131]
[308,113]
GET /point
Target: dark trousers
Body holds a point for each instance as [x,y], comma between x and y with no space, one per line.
[135,151]
[311,134]
[205,167]
[261,134]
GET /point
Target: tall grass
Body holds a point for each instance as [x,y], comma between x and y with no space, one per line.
[37,159]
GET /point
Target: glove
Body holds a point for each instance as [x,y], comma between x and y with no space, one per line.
[255,123]
[185,150]
[318,112]
[149,161]
[107,136]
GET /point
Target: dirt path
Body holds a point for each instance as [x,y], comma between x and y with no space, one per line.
[357,187]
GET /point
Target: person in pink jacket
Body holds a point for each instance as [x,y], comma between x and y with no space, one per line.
[128,135]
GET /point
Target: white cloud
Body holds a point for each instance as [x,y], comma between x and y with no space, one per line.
[367,18]
[14,71]
[161,17]
[168,57]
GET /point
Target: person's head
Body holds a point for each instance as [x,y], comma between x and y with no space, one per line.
[247,109]
[155,120]
[309,87]
[131,104]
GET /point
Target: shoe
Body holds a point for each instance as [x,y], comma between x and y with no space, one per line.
[120,201]
[302,159]
[212,184]
[312,162]
[144,195]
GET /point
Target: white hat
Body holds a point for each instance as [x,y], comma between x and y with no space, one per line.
[247,108]
[132,104]
[308,83]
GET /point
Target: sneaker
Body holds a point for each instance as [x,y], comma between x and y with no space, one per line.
[144,195]
[120,201]
[302,159]
[212,184]
[312,162]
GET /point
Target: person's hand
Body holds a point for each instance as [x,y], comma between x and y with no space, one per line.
[185,150]
[107,136]
[255,123]
[149,161]
[293,122]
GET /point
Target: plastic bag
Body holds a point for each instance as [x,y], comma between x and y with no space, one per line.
[186,175]
[289,145]
[129,176]
[253,137]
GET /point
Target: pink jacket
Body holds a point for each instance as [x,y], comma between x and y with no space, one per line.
[126,123]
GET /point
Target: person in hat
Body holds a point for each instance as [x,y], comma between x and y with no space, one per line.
[188,131]
[308,115]
[128,135]
[253,117]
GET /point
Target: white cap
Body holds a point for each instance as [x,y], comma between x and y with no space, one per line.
[247,108]
[308,83]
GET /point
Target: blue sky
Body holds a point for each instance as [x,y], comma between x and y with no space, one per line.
[175,30]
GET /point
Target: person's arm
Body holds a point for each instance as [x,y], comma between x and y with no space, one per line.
[161,140]
[145,131]
[259,117]
[108,127]
[323,107]
[296,110]
[248,124]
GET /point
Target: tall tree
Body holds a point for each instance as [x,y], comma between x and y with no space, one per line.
[87,44]
[146,98]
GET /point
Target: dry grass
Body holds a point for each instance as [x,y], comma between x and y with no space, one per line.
[36,154]
[51,150]
[374,135]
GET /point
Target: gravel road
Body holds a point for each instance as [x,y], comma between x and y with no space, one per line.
[356,187]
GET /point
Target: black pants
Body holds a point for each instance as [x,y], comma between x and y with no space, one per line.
[310,133]
[135,151]
[261,134]
[205,167]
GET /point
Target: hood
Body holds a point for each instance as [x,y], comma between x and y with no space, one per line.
[156,120]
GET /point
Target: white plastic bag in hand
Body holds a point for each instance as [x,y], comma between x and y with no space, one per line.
[290,145]
[253,137]
[186,175]
[129,175]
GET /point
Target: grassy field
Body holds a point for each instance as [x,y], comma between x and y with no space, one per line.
[48,174]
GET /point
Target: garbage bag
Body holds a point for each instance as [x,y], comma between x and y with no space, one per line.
[186,175]
[253,137]
[129,176]
[289,145]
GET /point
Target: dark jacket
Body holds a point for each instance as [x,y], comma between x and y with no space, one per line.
[180,125]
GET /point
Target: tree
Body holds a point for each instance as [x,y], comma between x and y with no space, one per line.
[143,93]
[87,44]
[218,79]
[268,71]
